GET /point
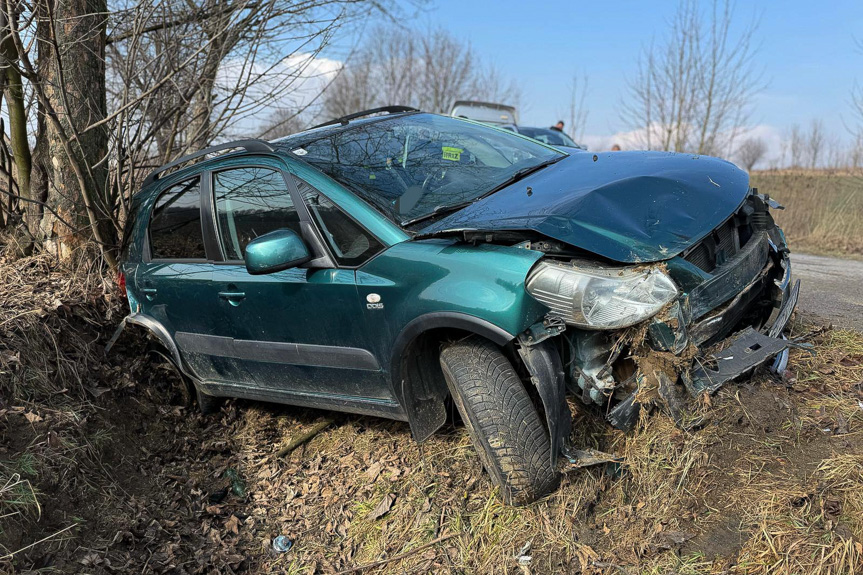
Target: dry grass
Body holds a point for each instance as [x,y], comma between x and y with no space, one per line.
[824,209]
[763,488]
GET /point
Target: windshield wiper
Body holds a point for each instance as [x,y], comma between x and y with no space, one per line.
[516,176]
[520,174]
[440,210]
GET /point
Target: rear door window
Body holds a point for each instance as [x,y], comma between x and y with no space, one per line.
[251,201]
[175,228]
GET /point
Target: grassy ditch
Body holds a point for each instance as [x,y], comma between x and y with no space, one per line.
[100,472]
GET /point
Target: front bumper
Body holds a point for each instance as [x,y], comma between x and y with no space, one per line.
[737,298]
[721,330]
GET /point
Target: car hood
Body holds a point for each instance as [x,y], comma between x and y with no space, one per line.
[625,206]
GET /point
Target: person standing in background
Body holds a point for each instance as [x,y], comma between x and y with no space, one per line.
[558,126]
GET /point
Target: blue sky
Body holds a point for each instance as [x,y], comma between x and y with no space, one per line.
[806,50]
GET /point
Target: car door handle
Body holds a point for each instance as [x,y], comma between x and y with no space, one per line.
[234,297]
[149,293]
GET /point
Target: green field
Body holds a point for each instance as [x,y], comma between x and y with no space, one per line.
[824,209]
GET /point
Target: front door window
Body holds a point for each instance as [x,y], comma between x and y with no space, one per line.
[250,202]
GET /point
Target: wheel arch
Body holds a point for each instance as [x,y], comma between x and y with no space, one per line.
[417,378]
[160,333]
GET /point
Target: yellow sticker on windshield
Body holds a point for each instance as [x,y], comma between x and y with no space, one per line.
[453,154]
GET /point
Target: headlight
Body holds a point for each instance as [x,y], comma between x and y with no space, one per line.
[592,297]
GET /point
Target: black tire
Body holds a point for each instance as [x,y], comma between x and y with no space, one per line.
[181,388]
[500,417]
[207,403]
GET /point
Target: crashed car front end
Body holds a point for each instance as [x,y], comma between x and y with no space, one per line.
[633,337]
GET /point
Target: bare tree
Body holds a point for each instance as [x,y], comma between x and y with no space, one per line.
[693,91]
[282,123]
[428,71]
[124,87]
[796,146]
[857,109]
[855,156]
[12,87]
[577,110]
[750,152]
[353,88]
[815,144]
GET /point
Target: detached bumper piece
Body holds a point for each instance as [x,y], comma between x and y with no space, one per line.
[747,350]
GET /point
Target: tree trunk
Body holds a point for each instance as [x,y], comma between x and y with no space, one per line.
[219,40]
[14,95]
[74,84]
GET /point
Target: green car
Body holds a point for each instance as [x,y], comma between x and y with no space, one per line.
[387,264]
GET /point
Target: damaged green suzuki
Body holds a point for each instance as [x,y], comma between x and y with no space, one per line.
[393,261]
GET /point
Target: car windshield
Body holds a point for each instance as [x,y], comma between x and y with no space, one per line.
[548,136]
[416,165]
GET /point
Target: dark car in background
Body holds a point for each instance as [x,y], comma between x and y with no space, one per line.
[548,136]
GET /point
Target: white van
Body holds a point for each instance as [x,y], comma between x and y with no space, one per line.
[487,112]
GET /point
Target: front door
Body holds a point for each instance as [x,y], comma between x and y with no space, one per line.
[298,331]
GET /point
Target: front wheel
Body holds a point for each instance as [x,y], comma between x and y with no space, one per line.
[500,417]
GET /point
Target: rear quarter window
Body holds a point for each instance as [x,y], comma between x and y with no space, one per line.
[175,226]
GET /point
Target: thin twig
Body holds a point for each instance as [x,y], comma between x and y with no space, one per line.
[305,437]
[400,555]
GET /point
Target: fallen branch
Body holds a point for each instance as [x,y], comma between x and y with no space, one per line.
[303,438]
[400,555]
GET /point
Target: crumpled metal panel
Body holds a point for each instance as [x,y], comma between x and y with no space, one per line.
[731,278]
[626,206]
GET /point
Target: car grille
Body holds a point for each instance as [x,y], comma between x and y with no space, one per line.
[718,247]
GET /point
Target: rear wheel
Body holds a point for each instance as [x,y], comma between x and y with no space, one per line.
[207,403]
[501,419]
[175,386]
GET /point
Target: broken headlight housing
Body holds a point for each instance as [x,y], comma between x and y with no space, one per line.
[593,297]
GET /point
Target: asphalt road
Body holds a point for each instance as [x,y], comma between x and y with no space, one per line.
[831,289]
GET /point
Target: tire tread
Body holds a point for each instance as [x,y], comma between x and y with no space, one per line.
[503,423]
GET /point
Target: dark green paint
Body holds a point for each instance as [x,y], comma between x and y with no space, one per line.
[275,251]
[629,207]
[625,207]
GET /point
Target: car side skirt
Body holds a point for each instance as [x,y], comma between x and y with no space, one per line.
[279,352]
[360,406]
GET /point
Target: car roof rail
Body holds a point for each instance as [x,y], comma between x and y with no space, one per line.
[250,145]
[344,120]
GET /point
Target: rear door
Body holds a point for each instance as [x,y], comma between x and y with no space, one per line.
[174,280]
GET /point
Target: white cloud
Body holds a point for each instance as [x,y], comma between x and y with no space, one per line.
[634,140]
[293,84]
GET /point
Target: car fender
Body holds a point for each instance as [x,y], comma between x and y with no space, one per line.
[156,329]
[424,400]
[447,288]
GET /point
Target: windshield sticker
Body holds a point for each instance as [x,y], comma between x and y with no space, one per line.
[453,154]
[300,152]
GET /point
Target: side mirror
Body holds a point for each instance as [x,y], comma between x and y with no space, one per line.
[276,251]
